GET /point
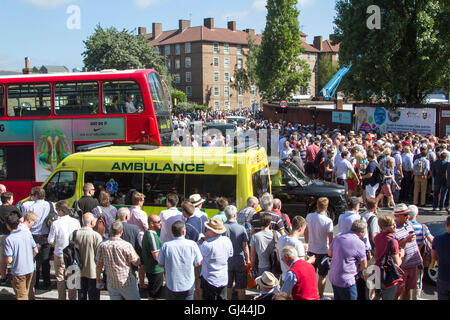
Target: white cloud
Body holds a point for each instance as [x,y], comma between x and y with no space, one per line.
[304,3]
[142,4]
[48,3]
[259,5]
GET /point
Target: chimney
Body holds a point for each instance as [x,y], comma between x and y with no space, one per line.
[303,37]
[142,30]
[232,25]
[156,30]
[318,43]
[208,23]
[183,24]
[27,69]
[251,32]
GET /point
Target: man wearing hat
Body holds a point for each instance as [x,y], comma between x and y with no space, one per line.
[406,239]
[197,201]
[268,286]
[216,250]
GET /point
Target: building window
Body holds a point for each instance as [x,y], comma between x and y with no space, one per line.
[168,63]
[240,91]
[187,47]
[303,91]
[216,91]
[226,77]
[239,49]
[216,104]
[226,62]
[226,48]
[177,63]
[216,61]
[177,78]
[227,104]
[239,63]
[188,77]
[177,49]
[216,47]
[167,49]
[187,62]
[188,91]
[240,104]
[216,76]
[226,91]
[252,90]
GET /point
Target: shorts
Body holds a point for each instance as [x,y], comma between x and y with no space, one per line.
[386,190]
[371,191]
[322,268]
[237,274]
[351,183]
[2,243]
[155,284]
[409,280]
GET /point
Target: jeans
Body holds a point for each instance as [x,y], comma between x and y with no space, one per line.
[128,293]
[88,289]
[211,292]
[43,260]
[442,190]
[184,295]
[349,293]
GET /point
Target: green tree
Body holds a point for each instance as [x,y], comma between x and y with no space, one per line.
[179,95]
[246,77]
[121,50]
[401,62]
[280,71]
[326,70]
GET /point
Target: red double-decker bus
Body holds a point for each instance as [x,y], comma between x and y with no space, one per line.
[45,117]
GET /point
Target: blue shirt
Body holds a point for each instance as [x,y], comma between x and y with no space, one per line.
[290,279]
[407,161]
[345,224]
[178,258]
[237,235]
[418,229]
[42,209]
[19,245]
[194,227]
[215,252]
[441,244]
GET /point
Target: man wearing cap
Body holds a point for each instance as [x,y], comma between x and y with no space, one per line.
[268,286]
[407,239]
[197,201]
[216,250]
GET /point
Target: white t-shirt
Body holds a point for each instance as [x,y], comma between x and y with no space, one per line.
[169,217]
[286,240]
[319,227]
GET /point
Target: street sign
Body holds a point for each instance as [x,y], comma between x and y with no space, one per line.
[283,104]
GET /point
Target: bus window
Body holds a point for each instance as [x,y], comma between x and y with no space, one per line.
[16,163]
[2,104]
[157,186]
[117,184]
[122,97]
[161,101]
[29,100]
[76,98]
[260,180]
[212,187]
[61,186]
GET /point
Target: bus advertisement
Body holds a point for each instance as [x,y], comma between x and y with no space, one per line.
[45,117]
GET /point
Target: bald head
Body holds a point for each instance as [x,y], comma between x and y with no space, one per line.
[276,204]
[88,220]
[123,214]
[2,188]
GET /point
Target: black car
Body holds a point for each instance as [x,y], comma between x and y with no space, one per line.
[299,194]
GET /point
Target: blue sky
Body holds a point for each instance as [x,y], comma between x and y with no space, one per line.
[38,28]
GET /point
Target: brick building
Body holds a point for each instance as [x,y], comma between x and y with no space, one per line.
[203,60]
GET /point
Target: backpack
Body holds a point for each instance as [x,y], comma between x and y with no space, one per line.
[378,174]
[100,225]
[52,216]
[391,274]
[75,211]
[71,253]
[285,224]
[419,168]
[425,248]
[275,266]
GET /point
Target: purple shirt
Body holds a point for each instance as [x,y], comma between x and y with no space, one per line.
[348,251]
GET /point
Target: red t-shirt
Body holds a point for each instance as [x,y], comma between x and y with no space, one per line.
[306,286]
[381,241]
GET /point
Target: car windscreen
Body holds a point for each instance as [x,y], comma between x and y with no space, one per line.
[300,176]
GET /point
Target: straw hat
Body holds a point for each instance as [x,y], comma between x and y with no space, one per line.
[215,225]
[267,279]
[196,199]
[401,208]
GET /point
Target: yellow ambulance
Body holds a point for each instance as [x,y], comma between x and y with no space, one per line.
[155,171]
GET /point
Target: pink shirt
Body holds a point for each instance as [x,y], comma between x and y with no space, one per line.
[139,218]
[311,151]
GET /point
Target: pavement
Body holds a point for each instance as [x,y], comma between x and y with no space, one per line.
[429,291]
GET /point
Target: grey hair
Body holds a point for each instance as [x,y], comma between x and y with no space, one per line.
[413,211]
[116,228]
[87,218]
[266,202]
[289,251]
[122,213]
[230,211]
[251,201]
[359,226]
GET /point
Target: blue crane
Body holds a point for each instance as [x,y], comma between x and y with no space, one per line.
[330,88]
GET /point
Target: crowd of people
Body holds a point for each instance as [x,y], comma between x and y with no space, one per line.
[185,255]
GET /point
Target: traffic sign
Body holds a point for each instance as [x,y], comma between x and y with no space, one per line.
[283,104]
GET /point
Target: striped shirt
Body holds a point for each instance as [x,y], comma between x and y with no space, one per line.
[276,224]
[418,229]
[412,255]
[117,254]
